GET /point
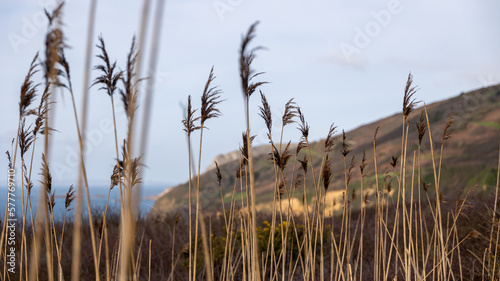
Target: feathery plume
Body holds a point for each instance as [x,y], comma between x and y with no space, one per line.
[247,74]
[245,147]
[129,96]
[265,112]
[345,147]
[326,174]
[188,122]
[45,173]
[303,164]
[218,173]
[25,138]
[302,144]
[28,89]
[447,127]
[394,161]
[42,112]
[421,127]
[303,126]
[70,196]
[54,43]
[290,112]
[363,164]
[425,185]
[110,76]
[210,99]
[281,159]
[329,142]
[409,101]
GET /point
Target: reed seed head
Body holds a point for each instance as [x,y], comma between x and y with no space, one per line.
[218,173]
[25,138]
[304,164]
[290,113]
[409,102]
[45,173]
[281,158]
[326,173]
[189,121]
[363,163]
[394,161]
[246,146]
[210,99]
[54,44]
[109,74]
[128,94]
[247,74]
[28,89]
[70,196]
[421,128]
[303,126]
[345,147]
[302,144]
[265,113]
[330,141]
[447,127]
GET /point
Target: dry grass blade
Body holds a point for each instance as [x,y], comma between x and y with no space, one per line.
[421,127]
[326,174]
[210,99]
[110,75]
[409,102]
[246,58]
[188,122]
[28,89]
[290,112]
[265,113]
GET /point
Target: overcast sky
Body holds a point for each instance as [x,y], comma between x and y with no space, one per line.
[343,61]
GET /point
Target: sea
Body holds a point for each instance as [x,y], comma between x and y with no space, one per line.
[98,198]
